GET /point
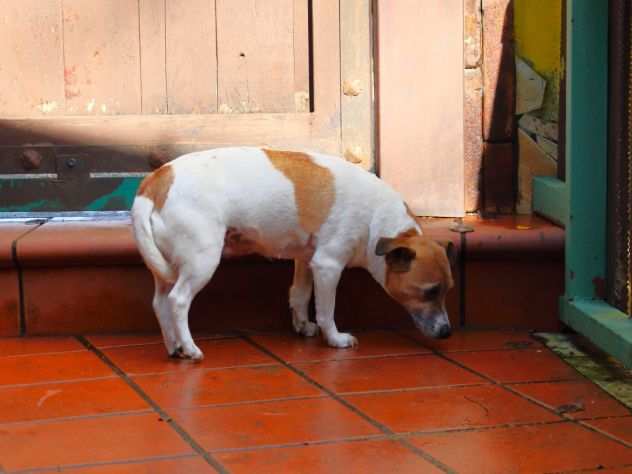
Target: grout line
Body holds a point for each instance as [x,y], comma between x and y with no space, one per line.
[595,429]
[162,413]
[324,442]
[105,463]
[20,274]
[605,470]
[63,419]
[383,428]
[56,382]
[201,369]
[37,354]
[462,281]
[253,402]
[219,337]
[534,401]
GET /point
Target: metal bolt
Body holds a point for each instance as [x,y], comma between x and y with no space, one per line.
[31,160]
[157,158]
[71,162]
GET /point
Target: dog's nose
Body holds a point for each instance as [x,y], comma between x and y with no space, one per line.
[444,332]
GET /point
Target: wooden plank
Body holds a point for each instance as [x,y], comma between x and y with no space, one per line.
[420,78]
[31,59]
[357,101]
[277,129]
[152,57]
[326,74]
[301,56]
[101,57]
[191,56]
[255,55]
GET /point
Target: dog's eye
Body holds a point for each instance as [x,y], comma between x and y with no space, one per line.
[432,292]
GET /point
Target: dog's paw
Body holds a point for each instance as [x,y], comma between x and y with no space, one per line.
[176,353]
[342,340]
[306,328]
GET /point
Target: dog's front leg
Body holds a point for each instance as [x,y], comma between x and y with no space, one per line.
[327,273]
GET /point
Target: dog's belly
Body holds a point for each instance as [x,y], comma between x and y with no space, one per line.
[240,242]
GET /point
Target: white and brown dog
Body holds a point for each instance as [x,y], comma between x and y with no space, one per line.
[322,212]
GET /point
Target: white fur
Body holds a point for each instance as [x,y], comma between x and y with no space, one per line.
[239,188]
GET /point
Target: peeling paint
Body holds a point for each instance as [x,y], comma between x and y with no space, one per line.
[48,106]
[91,104]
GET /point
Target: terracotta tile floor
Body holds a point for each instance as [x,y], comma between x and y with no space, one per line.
[479,402]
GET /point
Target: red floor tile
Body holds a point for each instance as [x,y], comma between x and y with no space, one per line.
[188,465]
[543,448]
[294,348]
[539,365]
[465,340]
[51,368]
[87,397]
[95,440]
[366,457]
[37,345]
[619,427]
[578,399]
[388,373]
[153,358]
[272,423]
[449,408]
[205,387]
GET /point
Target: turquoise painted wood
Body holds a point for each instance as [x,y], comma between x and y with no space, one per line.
[550,199]
[582,307]
[586,132]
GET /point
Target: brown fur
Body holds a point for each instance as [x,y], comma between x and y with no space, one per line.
[313,186]
[156,186]
[430,265]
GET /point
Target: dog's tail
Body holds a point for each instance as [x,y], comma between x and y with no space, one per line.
[142,211]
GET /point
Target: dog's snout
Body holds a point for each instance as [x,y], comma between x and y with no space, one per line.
[444,332]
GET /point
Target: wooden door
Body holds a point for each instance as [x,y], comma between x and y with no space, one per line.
[93,94]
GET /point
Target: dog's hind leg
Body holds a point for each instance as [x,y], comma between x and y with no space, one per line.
[163,314]
[300,294]
[193,275]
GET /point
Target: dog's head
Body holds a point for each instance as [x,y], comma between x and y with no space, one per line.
[418,276]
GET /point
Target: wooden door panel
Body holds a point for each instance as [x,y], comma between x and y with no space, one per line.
[191,57]
[30,40]
[421,103]
[153,72]
[101,57]
[159,84]
[256,55]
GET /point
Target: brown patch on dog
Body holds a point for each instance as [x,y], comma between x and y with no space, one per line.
[313,186]
[415,262]
[156,186]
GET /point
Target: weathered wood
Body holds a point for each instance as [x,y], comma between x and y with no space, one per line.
[301,56]
[102,57]
[356,50]
[191,56]
[255,55]
[421,102]
[298,130]
[152,56]
[326,74]
[31,59]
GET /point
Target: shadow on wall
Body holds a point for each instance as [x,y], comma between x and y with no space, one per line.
[499,168]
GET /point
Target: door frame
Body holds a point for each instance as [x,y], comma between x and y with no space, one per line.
[580,202]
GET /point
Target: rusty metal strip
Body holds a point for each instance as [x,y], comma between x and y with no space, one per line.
[619,157]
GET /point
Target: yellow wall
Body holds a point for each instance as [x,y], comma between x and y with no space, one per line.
[538,29]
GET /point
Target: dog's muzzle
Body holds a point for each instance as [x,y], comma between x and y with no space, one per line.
[436,325]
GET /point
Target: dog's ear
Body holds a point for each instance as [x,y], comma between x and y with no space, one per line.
[398,257]
[450,251]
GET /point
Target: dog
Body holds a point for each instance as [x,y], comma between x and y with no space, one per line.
[318,210]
